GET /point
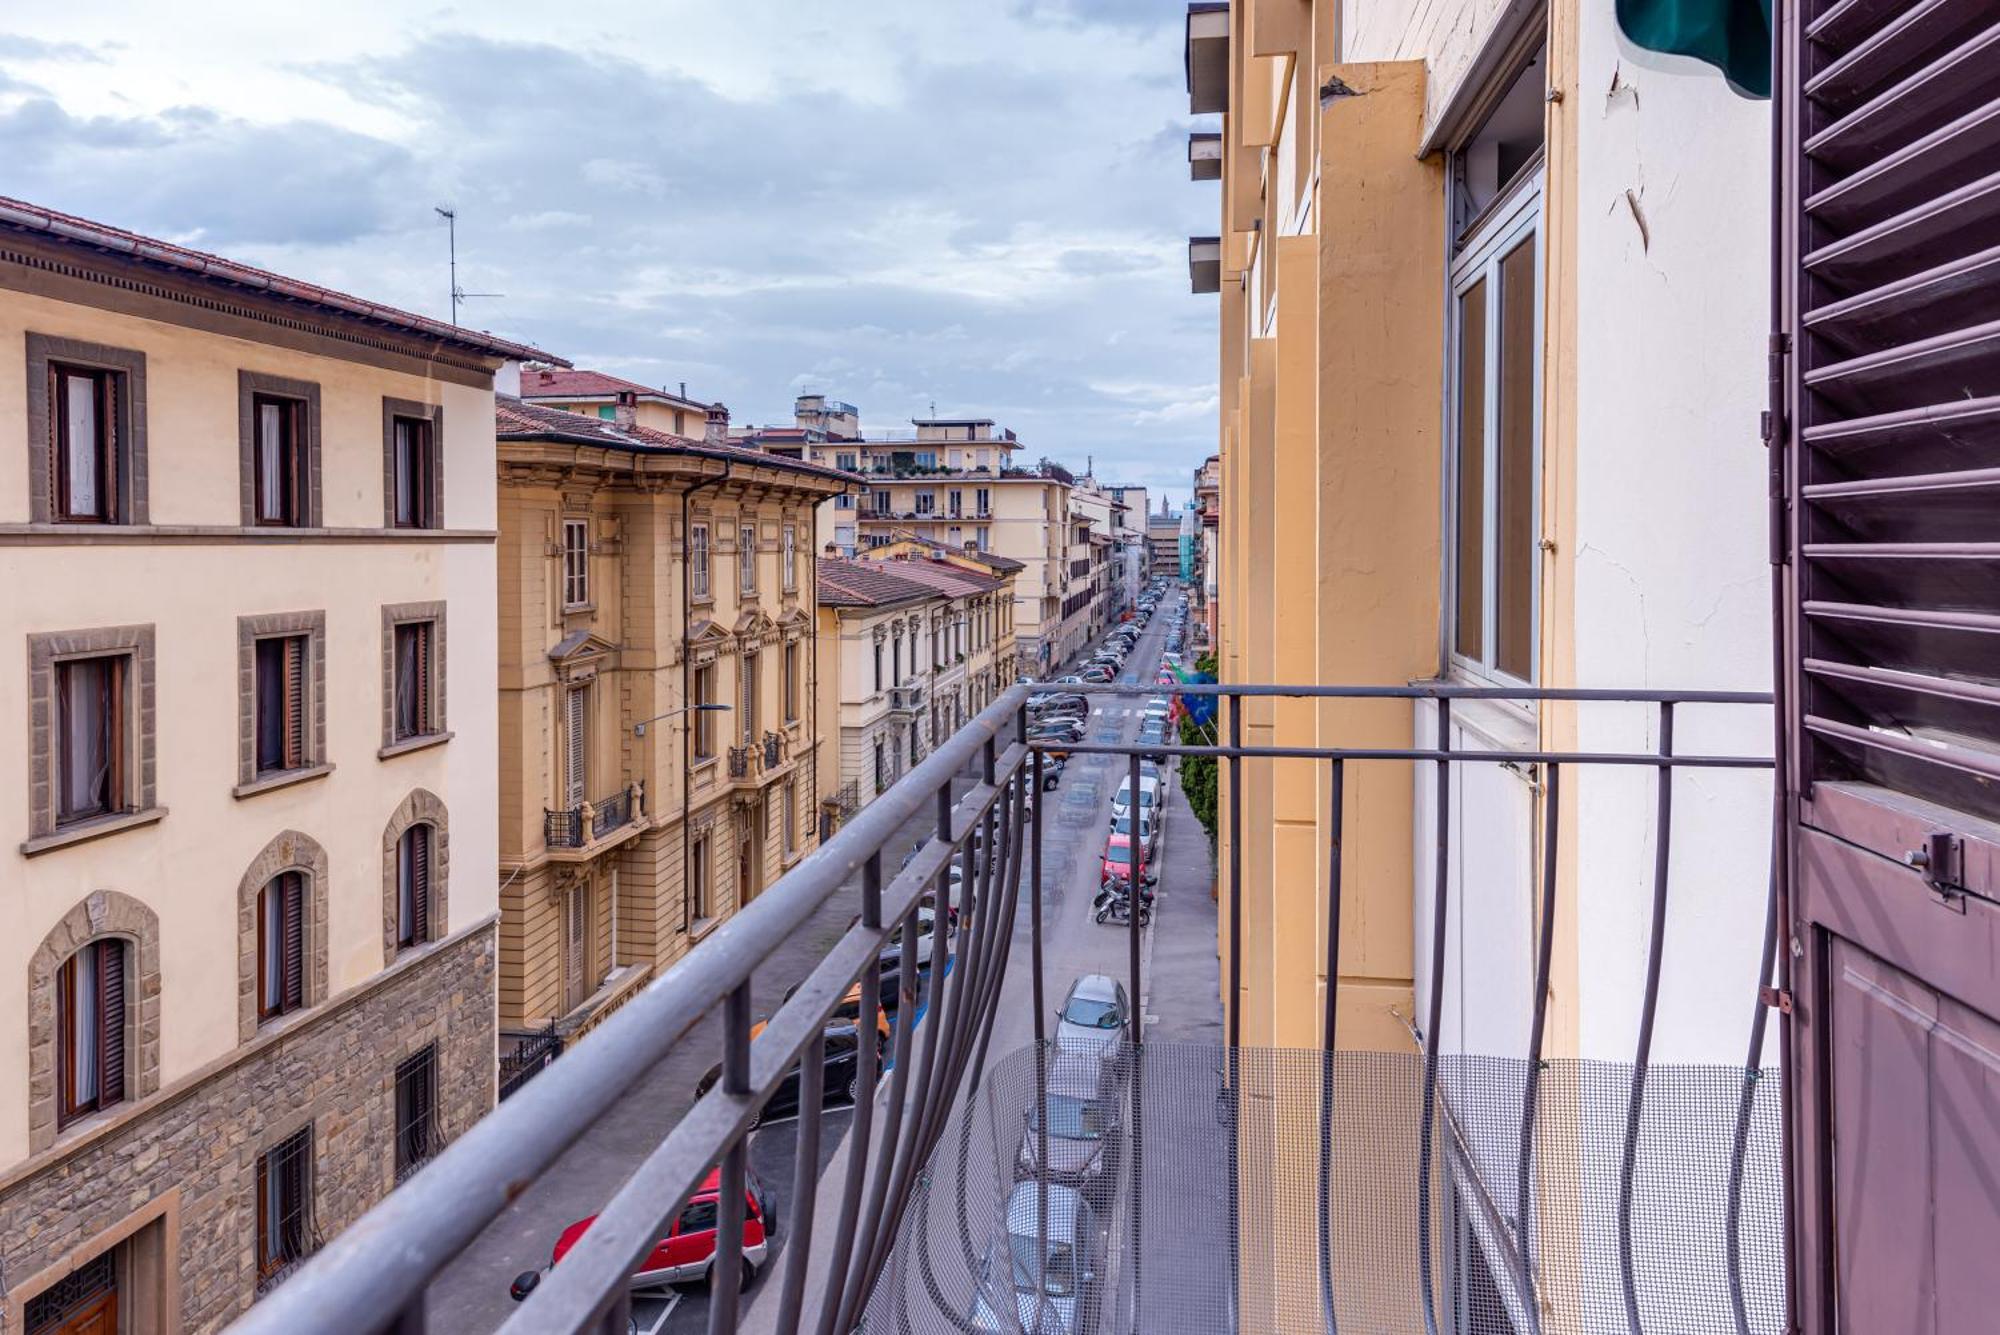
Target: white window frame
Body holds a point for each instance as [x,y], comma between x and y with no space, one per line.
[698,560]
[1510,221]
[576,563]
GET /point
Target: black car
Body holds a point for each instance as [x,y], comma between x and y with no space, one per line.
[843,1072]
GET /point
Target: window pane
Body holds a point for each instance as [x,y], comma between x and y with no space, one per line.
[406,474]
[83,490]
[271,462]
[1468,638]
[85,697]
[271,919]
[270,704]
[83,1026]
[1514,551]
[410,712]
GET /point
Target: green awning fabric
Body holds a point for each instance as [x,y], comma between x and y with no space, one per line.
[1732,35]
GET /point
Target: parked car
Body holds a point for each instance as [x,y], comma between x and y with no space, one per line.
[1079,1114]
[685,1254]
[1098,673]
[1052,772]
[1048,1271]
[1149,831]
[843,1072]
[1149,794]
[849,1008]
[1117,865]
[1094,1018]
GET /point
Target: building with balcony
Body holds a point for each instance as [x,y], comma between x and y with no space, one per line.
[972,635]
[660,738]
[1208,501]
[246,535]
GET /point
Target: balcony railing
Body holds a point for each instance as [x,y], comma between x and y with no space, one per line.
[1238,1188]
[580,826]
[739,762]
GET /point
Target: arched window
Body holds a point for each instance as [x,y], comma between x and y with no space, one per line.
[413,887]
[416,881]
[91,986]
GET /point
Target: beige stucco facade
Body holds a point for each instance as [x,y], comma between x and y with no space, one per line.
[623,840]
[181,583]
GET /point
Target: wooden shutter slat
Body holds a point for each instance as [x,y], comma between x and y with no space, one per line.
[293,949]
[423,638]
[295,702]
[1952,295]
[110,1021]
[1946,87]
[1949,156]
[1907,42]
[420,883]
[1910,242]
[1944,368]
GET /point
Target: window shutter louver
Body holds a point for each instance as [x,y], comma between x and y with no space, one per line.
[420,887]
[573,776]
[1887,421]
[294,943]
[425,722]
[111,1022]
[295,702]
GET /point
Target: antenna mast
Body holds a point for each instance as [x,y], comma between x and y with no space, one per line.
[458,294]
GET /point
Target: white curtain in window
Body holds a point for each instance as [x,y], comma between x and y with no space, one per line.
[86,737]
[80,413]
[83,1026]
[271,455]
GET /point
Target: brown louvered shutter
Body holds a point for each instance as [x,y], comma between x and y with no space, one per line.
[110,1022]
[420,884]
[294,944]
[295,702]
[1887,412]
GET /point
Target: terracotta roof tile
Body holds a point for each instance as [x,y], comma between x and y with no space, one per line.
[70,229]
[517,419]
[941,575]
[556,384]
[844,583]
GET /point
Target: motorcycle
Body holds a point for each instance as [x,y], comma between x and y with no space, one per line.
[1114,905]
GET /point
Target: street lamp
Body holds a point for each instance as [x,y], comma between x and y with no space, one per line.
[639,728]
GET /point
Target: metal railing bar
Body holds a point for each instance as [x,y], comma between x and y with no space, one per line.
[1424,691]
[1638,758]
[1135,850]
[899,1081]
[383,1262]
[1739,1144]
[1336,816]
[1524,1201]
[1464,1165]
[1649,1005]
[805,1181]
[864,1121]
[1440,896]
[1041,1005]
[1234,1055]
[726,1271]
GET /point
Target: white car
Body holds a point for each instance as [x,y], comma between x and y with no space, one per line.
[1094,1017]
[1149,795]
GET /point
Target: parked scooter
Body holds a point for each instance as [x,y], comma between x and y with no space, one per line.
[1114,904]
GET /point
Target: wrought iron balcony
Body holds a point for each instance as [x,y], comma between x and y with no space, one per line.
[774,750]
[739,762]
[580,826]
[1448,1187]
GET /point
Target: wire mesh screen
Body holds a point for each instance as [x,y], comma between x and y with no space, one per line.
[1176,1190]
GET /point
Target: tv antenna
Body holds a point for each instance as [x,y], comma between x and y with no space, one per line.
[458,294]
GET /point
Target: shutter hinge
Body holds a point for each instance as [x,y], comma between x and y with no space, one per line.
[1777,998]
[1771,429]
[1942,861]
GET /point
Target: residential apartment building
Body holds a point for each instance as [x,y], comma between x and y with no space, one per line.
[246,532]
[660,739]
[952,481]
[1506,481]
[1208,501]
[972,634]
[595,394]
[874,624]
[1163,543]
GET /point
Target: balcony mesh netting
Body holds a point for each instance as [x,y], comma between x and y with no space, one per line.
[1147,1207]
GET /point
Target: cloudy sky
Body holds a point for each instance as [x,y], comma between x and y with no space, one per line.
[978,203]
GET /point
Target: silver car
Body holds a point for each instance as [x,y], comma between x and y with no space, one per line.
[1093,1018]
[1077,1122]
[1053,1287]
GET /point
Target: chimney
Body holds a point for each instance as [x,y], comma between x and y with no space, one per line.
[626,411]
[717,430]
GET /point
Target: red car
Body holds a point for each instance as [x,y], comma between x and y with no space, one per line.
[686,1253]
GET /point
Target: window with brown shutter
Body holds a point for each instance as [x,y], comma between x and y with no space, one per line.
[90,1030]
[280,484]
[413,887]
[413,473]
[90,741]
[704,718]
[281,946]
[576,727]
[576,562]
[576,947]
[83,444]
[414,684]
[281,703]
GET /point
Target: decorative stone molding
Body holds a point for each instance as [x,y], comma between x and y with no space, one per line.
[251,629]
[132,472]
[421,807]
[105,913]
[397,614]
[391,410]
[44,652]
[290,851]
